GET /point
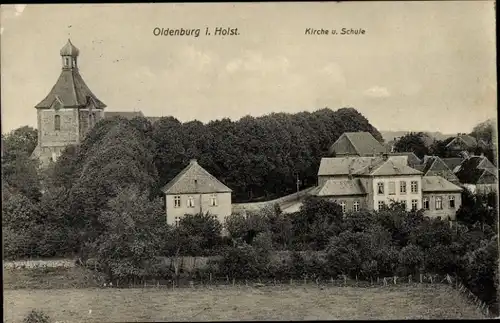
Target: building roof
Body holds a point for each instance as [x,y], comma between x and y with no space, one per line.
[468,140]
[477,170]
[412,158]
[341,166]
[124,114]
[434,166]
[194,179]
[389,167]
[69,50]
[438,184]
[341,187]
[357,143]
[70,90]
[452,162]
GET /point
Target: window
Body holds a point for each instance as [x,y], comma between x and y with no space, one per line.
[66,61]
[402,187]
[403,202]
[381,205]
[414,187]
[439,203]
[414,205]
[57,122]
[190,201]
[213,200]
[452,202]
[392,188]
[54,156]
[177,220]
[177,201]
[425,203]
[342,204]
[380,188]
[355,206]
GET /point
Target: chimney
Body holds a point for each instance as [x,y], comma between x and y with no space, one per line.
[193,162]
[350,172]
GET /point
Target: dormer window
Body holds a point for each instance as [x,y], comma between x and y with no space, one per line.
[57,122]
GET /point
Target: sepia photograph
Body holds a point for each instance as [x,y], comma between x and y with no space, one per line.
[253,161]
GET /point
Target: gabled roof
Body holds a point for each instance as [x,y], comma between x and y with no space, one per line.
[71,91]
[468,140]
[452,162]
[473,169]
[434,166]
[484,163]
[195,179]
[412,158]
[391,167]
[342,187]
[438,184]
[124,114]
[341,166]
[357,143]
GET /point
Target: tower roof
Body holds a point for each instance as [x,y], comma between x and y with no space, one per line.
[69,50]
[71,91]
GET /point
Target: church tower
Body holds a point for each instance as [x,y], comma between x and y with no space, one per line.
[68,111]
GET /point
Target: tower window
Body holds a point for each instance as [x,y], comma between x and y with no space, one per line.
[57,122]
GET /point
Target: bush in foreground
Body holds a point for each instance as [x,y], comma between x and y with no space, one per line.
[36,316]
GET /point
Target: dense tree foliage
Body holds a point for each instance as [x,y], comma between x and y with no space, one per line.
[19,169]
[412,142]
[259,158]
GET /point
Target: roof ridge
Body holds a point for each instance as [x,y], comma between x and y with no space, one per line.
[73,86]
[347,134]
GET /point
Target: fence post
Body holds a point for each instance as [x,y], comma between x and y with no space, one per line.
[291,281]
[421,279]
[233,281]
[395,280]
[409,279]
[331,280]
[210,278]
[227,279]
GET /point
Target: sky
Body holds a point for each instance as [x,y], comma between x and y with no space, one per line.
[420,66]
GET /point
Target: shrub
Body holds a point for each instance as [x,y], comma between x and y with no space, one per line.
[36,316]
[244,262]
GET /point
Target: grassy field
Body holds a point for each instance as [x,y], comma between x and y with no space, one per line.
[307,302]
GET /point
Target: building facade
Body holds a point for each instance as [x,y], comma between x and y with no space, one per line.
[374,182]
[66,114]
[194,191]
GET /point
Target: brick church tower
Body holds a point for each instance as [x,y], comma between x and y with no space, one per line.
[67,112]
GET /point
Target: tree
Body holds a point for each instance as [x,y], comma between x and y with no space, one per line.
[21,224]
[438,148]
[412,142]
[19,169]
[133,232]
[316,222]
[199,233]
[485,131]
